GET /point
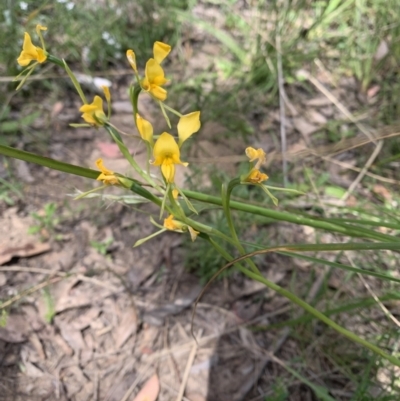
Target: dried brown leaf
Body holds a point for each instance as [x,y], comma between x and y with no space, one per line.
[7,252]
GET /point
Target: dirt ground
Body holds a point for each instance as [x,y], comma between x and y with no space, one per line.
[100,324]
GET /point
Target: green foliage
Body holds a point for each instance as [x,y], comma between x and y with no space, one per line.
[102,247]
[46,221]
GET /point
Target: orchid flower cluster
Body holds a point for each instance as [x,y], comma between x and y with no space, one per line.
[156,182]
[163,150]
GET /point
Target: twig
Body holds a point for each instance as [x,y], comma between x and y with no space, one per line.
[187,371]
[29,291]
[341,107]
[364,170]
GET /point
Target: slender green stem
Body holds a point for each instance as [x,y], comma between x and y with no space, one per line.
[293,218]
[226,196]
[125,151]
[307,307]
[317,222]
[296,300]
[55,60]
[47,162]
[172,110]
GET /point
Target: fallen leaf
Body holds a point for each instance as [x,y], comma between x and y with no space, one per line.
[126,327]
[304,127]
[8,252]
[17,329]
[150,390]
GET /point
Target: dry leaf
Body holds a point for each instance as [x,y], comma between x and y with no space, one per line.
[150,390]
[126,327]
[8,252]
[17,329]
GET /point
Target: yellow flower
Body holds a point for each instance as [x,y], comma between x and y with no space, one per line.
[107,176]
[30,52]
[256,154]
[93,113]
[154,79]
[166,154]
[145,129]
[175,225]
[154,74]
[188,125]
[256,177]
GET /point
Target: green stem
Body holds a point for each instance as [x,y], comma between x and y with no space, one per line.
[226,196]
[292,218]
[172,110]
[308,308]
[125,151]
[296,300]
[344,228]
[47,162]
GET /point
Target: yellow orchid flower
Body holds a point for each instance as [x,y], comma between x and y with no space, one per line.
[256,154]
[93,113]
[154,79]
[166,154]
[154,74]
[30,52]
[175,225]
[145,129]
[107,176]
[256,177]
[188,125]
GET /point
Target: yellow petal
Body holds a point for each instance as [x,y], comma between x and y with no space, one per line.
[41,55]
[102,168]
[40,28]
[158,92]
[169,223]
[254,154]
[175,193]
[256,177]
[193,233]
[154,71]
[108,179]
[106,91]
[94,112]
[28,53]
[160,51]
[165,148]
[130,54]
[168,171]
[145,129]
[188,125]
